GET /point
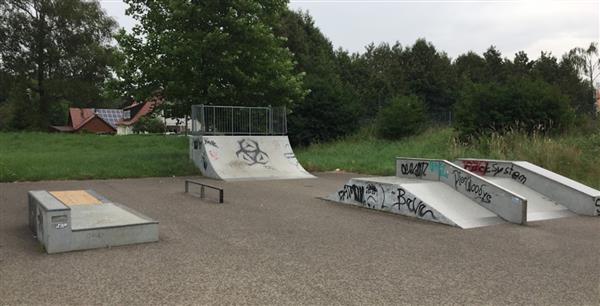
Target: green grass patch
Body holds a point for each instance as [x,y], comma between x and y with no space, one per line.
[574,156]
[42,156]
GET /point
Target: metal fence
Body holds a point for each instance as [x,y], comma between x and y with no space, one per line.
[442,117]
[238,120]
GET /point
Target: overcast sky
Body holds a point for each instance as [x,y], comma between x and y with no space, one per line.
[452,26]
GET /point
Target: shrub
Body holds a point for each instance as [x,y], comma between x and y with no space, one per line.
[404,116]
[519,104]
[150,125]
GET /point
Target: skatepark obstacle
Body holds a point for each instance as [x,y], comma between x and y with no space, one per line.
[438,191]
[243,143]
[202,189]
[545,189]
[471,192]
[72,220]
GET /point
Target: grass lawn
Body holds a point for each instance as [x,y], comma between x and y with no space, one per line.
[43,156]
[574,156]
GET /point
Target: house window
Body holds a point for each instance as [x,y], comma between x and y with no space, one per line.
[126,115]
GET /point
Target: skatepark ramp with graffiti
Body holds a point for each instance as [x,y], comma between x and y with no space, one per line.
[243,143]
[438,191]
[549,194]
[233,158]
[472,192]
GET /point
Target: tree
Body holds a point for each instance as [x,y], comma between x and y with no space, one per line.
[328,110]
[588,61]
[404,116]
[430,76]
[519,103]
[57,50]
[208,52]
[471,67]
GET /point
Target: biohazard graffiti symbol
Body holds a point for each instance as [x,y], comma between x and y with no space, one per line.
[250,152]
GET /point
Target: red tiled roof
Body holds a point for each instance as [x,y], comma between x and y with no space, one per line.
[147,108]
[80,116]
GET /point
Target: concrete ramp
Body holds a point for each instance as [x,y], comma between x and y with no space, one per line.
[437,191]
[549,194]
[233,158]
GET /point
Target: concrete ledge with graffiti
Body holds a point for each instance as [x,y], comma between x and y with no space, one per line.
[553,190]
[506,204]
[233,158]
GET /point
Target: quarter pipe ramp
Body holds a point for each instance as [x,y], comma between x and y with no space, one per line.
[232,158]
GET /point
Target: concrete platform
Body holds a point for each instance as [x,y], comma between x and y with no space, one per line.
[81,219]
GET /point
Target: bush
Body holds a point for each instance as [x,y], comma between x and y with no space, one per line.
[404,116]
[150,125]
[519,104]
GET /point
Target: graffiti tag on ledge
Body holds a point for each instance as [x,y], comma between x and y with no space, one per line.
[478,190]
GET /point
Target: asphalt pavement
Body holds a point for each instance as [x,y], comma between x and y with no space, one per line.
[275,242]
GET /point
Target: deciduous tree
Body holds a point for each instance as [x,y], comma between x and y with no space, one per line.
[58,50]
[208,52]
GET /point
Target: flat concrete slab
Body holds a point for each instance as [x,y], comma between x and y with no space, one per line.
[273,242]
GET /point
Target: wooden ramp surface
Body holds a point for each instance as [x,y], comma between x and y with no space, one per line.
[75,197]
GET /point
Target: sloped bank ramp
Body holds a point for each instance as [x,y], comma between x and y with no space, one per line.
[438,191]
[549,194]
[234,158]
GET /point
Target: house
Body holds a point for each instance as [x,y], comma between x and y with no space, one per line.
[133,113]
[92,120]
[117,121]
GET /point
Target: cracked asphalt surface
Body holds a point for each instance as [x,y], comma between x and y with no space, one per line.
[275,242]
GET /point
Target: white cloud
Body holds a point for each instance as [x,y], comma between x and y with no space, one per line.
[452,26]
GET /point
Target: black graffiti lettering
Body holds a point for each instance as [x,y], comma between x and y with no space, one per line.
[419,209]
[417,169]
[371,195]
[197,144]
[478,190]
[251,153]
[597,204]
[517,176]
[353,192]
[211,143]
[495,169]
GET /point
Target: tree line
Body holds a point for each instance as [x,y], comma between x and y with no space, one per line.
[62,53]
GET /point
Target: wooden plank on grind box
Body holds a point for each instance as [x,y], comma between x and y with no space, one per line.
[75,197]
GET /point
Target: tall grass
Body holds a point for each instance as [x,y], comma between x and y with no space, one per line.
[574,155]
[42,156]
